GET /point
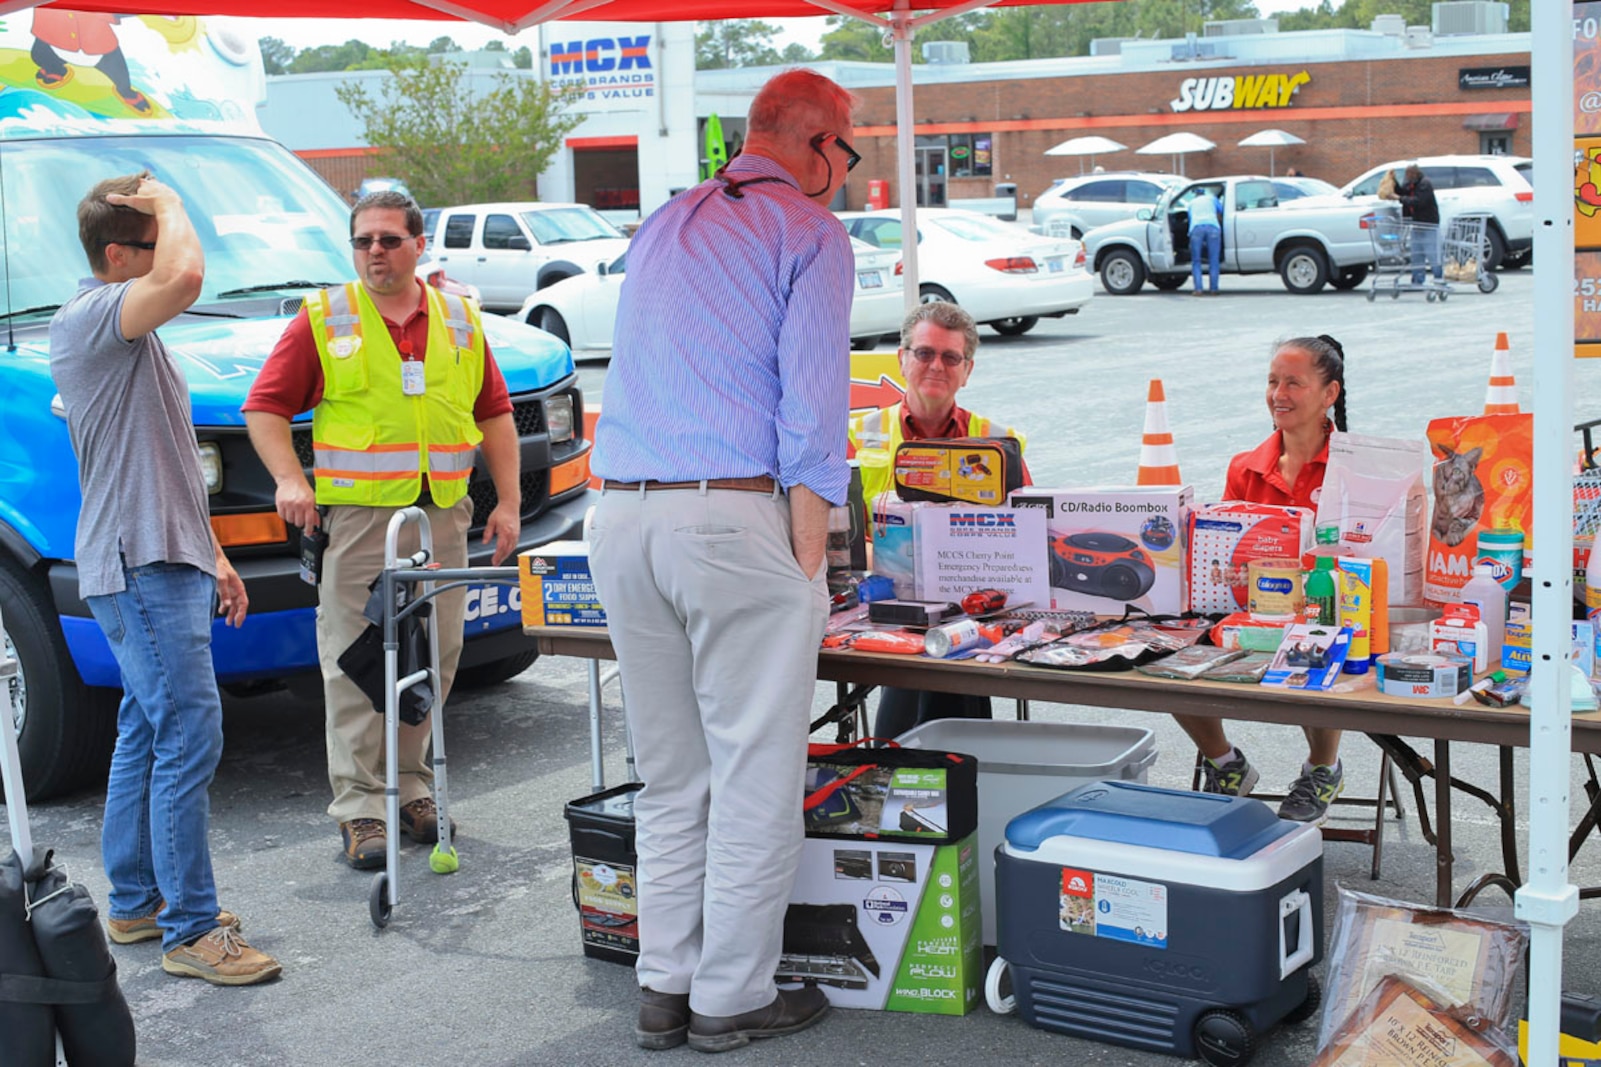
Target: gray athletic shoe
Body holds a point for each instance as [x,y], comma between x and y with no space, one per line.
[1234,779]
[1311,794]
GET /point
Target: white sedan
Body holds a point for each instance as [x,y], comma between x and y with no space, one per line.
[1004,276]
[582,310]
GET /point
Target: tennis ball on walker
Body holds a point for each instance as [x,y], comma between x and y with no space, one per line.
[442,862]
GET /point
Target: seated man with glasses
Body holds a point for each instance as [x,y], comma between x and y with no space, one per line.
[937,345]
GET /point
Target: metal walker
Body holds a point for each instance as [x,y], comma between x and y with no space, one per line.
[416,568]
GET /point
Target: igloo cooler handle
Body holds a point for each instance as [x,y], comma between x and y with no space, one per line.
[1292,903]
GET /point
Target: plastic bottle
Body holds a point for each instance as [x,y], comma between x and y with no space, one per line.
[1322,597]
[1487,594]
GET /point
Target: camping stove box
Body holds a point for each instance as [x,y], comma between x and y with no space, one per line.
[890,925]
[1153,918]
[1115,547]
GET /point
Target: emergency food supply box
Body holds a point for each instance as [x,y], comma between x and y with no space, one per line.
[605,873]
[1182,923]
[1021,765]
[556,587]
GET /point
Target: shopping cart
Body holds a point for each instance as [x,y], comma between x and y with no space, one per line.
[407,588]
[1462,250]
[1403,250]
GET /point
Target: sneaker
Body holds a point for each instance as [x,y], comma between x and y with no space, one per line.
[366,843]
[1311,794]
[1234,779]
[420,821]
[663,1019]
[133,931]
[221,957]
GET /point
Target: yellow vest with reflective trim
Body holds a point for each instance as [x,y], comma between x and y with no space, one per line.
[876,435]
[372,443]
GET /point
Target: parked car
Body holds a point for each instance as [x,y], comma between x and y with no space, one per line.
[1004,277]
[582,310]
[509,250]
[1311,242]
[1072,207]
[378,185]
[1297,188]
[1498,188]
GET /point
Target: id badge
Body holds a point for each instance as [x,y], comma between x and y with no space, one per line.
[412,379]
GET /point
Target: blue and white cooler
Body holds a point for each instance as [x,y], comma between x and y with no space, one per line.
[1178,922]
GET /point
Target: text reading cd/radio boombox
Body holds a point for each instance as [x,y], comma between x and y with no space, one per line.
[1101,564]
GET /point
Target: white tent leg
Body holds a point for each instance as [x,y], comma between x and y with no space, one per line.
[1549,900]
[902,31]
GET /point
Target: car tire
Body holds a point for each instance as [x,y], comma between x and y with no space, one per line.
[1349,278]
[1493,253]
[547,280]
[928,294]
[1304,269]
[1517,261]
[495,671]
[1014,327]
[67,728]
[1122,273]
[551,322]
[1169,282]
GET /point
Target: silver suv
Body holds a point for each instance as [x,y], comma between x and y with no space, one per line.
[1499,188]
[1072,207]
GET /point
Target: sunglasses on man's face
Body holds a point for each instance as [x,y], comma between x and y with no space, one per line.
[852,157]
[388,242]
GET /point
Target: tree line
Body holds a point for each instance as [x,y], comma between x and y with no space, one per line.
[279,57]
[1043,32]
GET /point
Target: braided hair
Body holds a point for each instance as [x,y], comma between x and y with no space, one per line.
[1328,357]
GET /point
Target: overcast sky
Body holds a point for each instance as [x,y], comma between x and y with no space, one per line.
[308,33]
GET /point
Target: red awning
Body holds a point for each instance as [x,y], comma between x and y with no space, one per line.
[1491,122]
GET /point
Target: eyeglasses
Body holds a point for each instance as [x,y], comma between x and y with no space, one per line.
[852,157]
[389,242]
[928,355]
[148,246]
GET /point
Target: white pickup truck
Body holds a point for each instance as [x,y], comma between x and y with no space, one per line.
[1310,242]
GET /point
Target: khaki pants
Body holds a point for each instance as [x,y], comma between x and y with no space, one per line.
[353,559]
[716,631]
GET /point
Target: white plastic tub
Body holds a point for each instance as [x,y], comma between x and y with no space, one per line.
[1021,765]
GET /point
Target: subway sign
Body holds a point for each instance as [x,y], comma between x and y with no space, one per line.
[613,71]
[1243,91]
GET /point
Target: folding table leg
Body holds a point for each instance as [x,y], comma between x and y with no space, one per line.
[597,763]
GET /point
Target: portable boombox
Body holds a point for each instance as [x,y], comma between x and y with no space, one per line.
[1101,564]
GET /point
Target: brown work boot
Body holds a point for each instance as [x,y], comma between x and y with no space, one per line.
[663,1019]
[133,931]
[420,821]
[366,842]
[221,957]
[791,1011]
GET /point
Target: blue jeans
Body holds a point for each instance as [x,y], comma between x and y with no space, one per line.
[1426,252]
[1207,240]
[169,739]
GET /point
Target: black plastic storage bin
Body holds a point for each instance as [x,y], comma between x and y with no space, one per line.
[605,887]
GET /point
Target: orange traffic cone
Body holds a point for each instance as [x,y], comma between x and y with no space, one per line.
[1159,461]
[1501,398]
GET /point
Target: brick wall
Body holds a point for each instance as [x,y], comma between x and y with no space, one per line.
[345,171]
[1344,113]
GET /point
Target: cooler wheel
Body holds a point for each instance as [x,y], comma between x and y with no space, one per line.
[1224,1038]
[378,902]
[1308,1007]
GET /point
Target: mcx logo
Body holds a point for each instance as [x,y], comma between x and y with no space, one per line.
[600,55]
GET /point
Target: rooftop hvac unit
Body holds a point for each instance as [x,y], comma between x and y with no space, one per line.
[1390,25]
[1239,27]
[1109,46]
[1417,37]
[945,52]
[1456,17]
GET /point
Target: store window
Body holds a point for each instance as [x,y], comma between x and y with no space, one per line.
[1495,142]
[971,154]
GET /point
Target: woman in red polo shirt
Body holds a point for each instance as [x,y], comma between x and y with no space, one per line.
[1306,397]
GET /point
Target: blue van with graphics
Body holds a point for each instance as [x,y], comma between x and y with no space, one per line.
[176,96]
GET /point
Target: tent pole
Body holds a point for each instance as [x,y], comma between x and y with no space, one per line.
[901,30]
[1548,900]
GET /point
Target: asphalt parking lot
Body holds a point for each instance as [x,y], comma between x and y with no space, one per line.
[483,967]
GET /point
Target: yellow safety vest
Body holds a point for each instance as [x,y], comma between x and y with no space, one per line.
[876,435]
[372,443]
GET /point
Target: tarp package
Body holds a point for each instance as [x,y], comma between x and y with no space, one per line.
[1481,481]
[1373,493]
[1225,538]
[972,470]
[894,533]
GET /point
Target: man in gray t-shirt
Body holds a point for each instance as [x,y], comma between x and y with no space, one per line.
[150,570]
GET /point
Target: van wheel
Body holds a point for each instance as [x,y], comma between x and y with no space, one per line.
[1304,269]
[495,671]
[1122,273]
[65,729]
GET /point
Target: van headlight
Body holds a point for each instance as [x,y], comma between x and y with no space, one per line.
[211,466]
[559,418]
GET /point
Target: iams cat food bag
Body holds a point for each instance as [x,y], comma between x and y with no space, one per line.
[1481,481]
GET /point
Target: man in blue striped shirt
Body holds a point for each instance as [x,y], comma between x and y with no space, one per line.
[722,448]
